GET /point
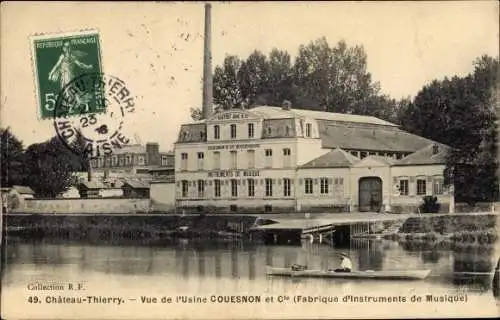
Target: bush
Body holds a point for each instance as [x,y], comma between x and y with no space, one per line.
[430,205]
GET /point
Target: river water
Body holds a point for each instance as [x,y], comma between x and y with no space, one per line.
[204,270]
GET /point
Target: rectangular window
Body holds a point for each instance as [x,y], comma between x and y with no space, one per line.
[163,161]
[286,157]
[216,160]
[308,184]
[403,187]
[269,157]
[250,130]
[437,186]
[121,161]
[141,161]
[233,131]
[234,188]
[201,157]
[269,187]
[184,161]
[421,187]
[308,129]
[201,188]
[363,154]
[323,185]
[216,132]
[185,188]
[234,159]
[287,187]
[251,159]
[114,161]
[251,187]
[217,188]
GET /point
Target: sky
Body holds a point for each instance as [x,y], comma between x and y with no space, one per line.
[408,44]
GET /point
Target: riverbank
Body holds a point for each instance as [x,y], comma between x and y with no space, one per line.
[471,229]
[139,226]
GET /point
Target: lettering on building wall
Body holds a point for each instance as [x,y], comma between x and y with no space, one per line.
[233,173]
[234,146]
[232,116]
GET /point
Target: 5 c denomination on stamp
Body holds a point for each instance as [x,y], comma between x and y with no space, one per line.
[60,58]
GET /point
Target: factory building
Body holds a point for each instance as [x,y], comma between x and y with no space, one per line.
[284,159]
[281,159]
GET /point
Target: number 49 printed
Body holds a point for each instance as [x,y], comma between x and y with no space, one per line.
[57,60]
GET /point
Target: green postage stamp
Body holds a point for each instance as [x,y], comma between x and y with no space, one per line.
[58,59]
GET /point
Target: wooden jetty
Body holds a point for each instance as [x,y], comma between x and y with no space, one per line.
[281,229]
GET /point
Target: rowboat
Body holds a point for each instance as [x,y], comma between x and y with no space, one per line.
[366,274]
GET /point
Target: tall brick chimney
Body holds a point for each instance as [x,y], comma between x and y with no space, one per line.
[207,64]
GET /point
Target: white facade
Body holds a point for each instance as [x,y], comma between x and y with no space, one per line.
[240,160]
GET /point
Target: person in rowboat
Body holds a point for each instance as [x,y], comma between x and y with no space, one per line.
[345,264]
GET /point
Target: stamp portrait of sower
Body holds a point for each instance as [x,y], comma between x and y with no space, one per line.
[63,71]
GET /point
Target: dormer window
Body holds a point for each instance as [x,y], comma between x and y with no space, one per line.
[233,131]
[435,149]
[250,130]
[216,132]
[308,130]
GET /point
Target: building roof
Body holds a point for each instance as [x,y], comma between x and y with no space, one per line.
[91,185]
[270,112]
[136,148]
[378,138]
[426,155]
[23,190]
[136,184]
[133,148]
[193,132]
[375,160]
[337,158]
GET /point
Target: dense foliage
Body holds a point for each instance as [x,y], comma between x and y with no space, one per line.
[461,112]
[11,159]
[48,167]
[322,77]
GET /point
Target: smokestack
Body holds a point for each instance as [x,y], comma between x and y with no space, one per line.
[207,64]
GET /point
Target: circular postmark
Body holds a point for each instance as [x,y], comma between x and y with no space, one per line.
[90,113]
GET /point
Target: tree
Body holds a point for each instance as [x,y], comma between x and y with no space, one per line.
[11,161]
[253,79]
[196,114]
[49,168]
[327,78]
[281,86]
[461,112]
[227,92]
[334,78]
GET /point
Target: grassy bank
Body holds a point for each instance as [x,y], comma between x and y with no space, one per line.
[472,229]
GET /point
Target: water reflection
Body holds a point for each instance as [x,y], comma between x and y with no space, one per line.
[457,266]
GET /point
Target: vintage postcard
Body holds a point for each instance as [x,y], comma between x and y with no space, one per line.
[249,160]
